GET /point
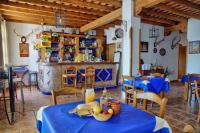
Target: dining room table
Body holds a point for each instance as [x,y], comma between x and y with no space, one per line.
[57,119]
[155,84]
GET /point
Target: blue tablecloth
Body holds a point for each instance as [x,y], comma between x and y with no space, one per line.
[185,78]
[153,84]
[56,119]
[20,69]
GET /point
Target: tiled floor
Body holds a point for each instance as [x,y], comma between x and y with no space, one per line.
[178,113]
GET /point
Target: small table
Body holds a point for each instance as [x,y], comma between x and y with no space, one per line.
[56,119]
[157,85]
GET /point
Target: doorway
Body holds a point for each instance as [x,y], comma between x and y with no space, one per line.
[182,60]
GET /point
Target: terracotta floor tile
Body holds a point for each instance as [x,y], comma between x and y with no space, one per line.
[178,112]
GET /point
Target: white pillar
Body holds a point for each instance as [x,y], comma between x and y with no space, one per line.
[128,17]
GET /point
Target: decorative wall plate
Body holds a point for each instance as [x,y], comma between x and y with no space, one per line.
[162,52]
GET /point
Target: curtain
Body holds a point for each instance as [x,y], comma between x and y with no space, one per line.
[4,42]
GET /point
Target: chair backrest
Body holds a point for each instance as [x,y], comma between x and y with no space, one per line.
[71,70]
[60,93]
[191,78]
[188,129]
[162,102]
[197,89]
[126,85]
[90,70]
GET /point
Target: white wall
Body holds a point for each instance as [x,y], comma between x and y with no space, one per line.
[193,34]
[13,44]
[170,60]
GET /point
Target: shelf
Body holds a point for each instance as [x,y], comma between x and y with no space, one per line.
[88,47]
[69,45]
[69,52]
[55,42]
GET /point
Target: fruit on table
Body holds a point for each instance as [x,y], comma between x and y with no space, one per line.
[105,112]
[102,117]
[87,106]
[97,109]
[110,111]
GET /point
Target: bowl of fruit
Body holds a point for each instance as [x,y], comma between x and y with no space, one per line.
[101,114]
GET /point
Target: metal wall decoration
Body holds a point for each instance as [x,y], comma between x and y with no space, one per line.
[175,42]
[194,47]
[162,52]
[155,50]
[153,32]
[144,47]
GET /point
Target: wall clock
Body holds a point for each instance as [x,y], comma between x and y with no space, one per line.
[119,33]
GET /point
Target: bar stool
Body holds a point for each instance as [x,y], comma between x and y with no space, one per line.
[35,81]
[88,75]
[69,76]
[3,98]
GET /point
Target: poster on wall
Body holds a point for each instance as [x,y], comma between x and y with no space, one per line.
[144,47]
[194,47]
[23,47]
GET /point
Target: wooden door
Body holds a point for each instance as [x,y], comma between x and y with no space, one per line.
[110,51]
[182,61]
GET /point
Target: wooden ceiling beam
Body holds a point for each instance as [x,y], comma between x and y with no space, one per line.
[89,5]
[114,3]
[140,4]
[163,15]
[180,27]
[164,21]
[29,18]
[58,6]
[41,11]
[37,21]
[187,4]
[153,22]
[35,15]
[178,12]
[102,20]
[68,19]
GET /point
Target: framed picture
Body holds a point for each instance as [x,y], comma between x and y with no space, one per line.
[24,49]
[144,47]
[194,47]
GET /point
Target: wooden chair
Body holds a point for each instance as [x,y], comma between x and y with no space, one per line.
[191,85]
[129,89]
[197,91]
[64,91]
[89,75]
[153,98]
[71,73]
[188,129]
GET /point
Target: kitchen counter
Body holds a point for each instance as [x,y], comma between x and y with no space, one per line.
[50,74]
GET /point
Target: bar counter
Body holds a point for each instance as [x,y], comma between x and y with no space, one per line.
[50,74]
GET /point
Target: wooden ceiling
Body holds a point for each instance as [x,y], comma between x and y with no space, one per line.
[172,14]
[78,12]
[168,13]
